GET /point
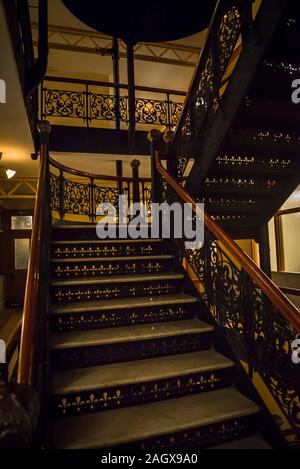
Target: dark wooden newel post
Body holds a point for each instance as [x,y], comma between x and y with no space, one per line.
[264,250]
[135,181]
[154,136]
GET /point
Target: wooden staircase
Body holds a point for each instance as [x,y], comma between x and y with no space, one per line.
[133,361]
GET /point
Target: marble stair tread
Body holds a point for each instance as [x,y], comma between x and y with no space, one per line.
[131,424]
[111,259]
[253,442]
[123,303]
[107,241]
[141,371]
[118,279]
[112,335]
[72,225]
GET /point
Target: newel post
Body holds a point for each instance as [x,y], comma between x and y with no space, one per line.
[44,128]
[135,164]
[154,137]
[171,152]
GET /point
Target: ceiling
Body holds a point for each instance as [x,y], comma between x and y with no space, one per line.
[59,15]
[137,21]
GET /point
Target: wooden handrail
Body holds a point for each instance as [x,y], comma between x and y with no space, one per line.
[106,84]
[31,300]
[77,172]
[277,298]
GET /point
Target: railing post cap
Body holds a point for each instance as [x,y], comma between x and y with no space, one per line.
[154,135]
[169,136]
[44,126]
[135,163]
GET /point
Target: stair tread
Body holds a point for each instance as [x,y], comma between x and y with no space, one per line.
[107,241]
[128,334]
[123,303]
[118,279]
[140,371]
[253,442]
[111,259]
[110,428]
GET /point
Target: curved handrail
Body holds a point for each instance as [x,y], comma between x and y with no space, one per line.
[193,84]
[34,275]
[278,299]
[77,172]
[184,110]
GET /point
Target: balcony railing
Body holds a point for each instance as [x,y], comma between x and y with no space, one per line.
[67,101]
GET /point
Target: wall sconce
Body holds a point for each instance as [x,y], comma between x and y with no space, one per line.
[10,173]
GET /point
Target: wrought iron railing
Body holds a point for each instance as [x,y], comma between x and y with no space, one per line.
[78,193]
[259,322]
[88,103]
[217,59]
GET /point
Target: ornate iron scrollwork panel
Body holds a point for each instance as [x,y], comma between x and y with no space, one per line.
[63,103]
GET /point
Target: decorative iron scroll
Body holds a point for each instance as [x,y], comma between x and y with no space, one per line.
[91,106]
[104,107]
[82,198]
[54,192]
[76,198]
[256,330]
[62,103]
[258,333]
[204,98]
[151,111]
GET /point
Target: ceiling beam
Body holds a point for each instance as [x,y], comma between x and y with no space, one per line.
[90,42]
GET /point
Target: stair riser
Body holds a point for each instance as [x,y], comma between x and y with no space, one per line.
[102,319]
[108,268]
[88,233]
[77,251]
[128,351]
[202,437]
[65,294]
[121,396]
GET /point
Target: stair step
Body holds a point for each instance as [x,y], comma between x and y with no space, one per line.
[165,421]
[122,286]
[87,267]
[106,387]
[113,386]
[118,344]
[123,303]
[114,259]
[128,334]
[110,248]
[253,442]
[122,312]
[118,279]
[107,241]
[141,371]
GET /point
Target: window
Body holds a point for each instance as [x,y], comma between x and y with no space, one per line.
[21,222]
[22,246]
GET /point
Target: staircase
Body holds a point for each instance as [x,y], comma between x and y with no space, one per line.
[133,362]
[257,166]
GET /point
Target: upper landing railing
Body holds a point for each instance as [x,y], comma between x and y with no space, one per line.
[66,101]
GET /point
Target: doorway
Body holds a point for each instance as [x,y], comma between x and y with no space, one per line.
[15,248]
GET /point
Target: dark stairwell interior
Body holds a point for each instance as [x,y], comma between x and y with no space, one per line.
[150,344]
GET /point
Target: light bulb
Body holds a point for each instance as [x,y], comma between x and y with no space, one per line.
[10,173]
